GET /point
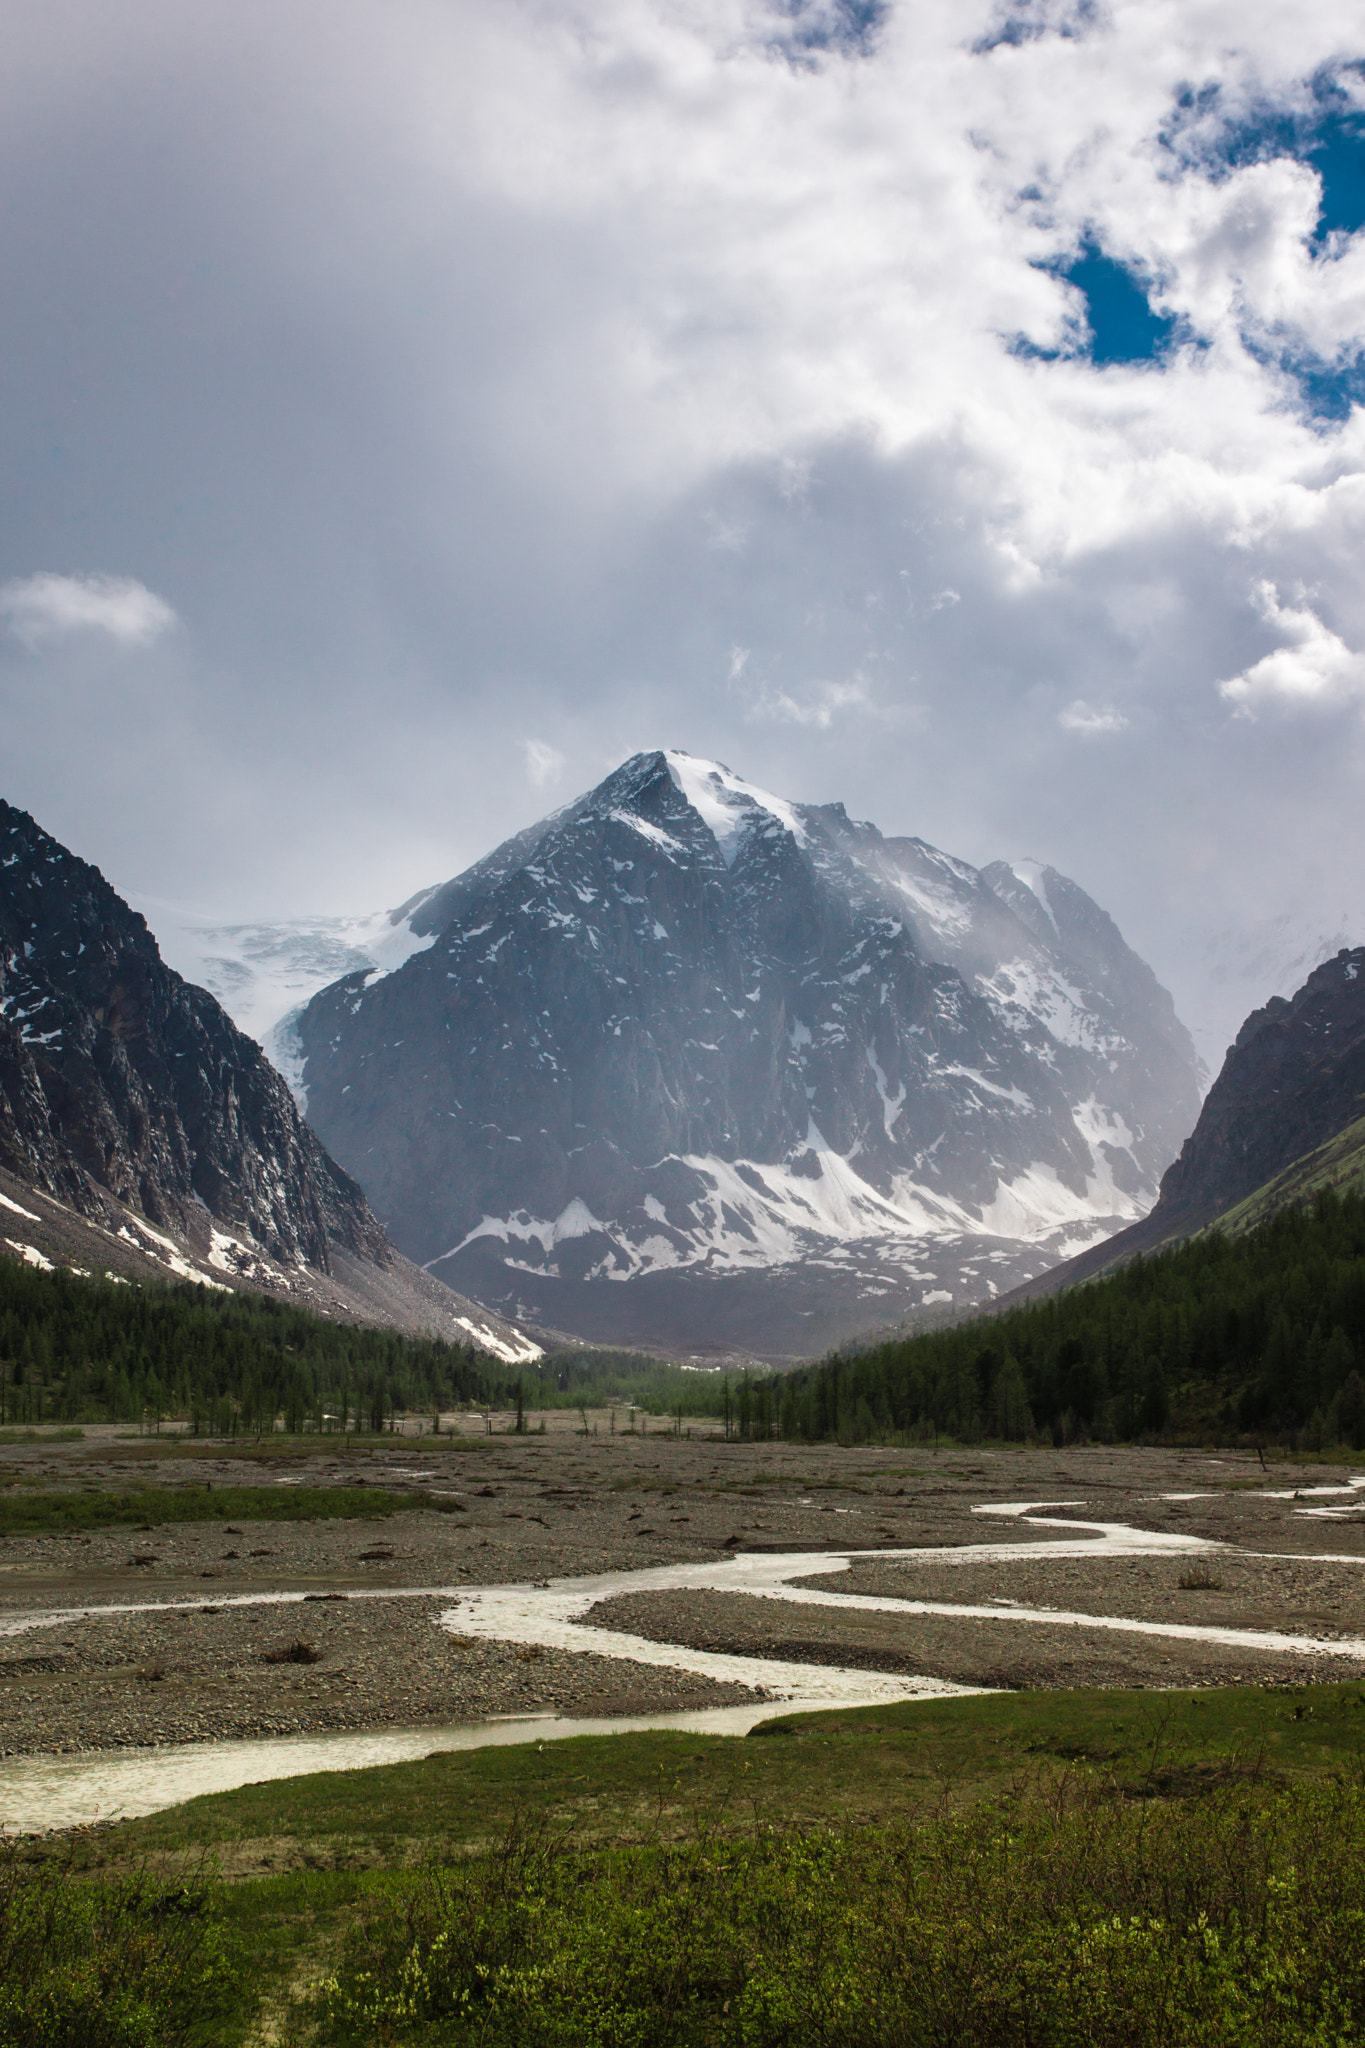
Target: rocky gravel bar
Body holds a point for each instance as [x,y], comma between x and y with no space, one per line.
[504,1510]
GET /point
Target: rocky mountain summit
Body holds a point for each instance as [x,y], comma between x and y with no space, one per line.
[686,1063]
[1293,1078]
[132,1107]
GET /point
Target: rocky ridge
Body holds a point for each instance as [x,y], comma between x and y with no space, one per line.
[1293,1079]
[141,1130]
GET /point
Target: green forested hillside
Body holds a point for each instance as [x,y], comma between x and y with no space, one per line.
[75,1349]
[1261,1334]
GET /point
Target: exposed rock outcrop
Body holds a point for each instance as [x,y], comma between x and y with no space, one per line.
[150,1136]
[1292,1080]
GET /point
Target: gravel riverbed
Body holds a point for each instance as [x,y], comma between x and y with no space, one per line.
[526,1510]
[1018,1655]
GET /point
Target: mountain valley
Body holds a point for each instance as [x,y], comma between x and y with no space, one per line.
[143,1135]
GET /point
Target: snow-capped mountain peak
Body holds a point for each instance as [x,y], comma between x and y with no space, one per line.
[690,1062]
[729,806]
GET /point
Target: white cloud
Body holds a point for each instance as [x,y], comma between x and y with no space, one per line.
[37,609]
[817,707]
[488,367]
[1313,666]
[544,764]
[1090,718]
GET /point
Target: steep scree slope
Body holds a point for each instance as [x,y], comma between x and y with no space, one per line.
[689,1064]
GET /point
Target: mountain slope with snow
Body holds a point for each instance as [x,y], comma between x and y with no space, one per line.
[687,1063]
[263,971]
[1293,1083]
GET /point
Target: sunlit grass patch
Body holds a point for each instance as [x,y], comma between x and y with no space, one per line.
[55,1511]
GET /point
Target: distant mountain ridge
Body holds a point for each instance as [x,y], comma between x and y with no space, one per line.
[685,1062]
[133,1108]
[1290,1089]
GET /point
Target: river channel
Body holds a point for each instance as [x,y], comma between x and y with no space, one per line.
[45,1792]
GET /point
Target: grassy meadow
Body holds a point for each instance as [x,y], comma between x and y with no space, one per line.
[1034,1868]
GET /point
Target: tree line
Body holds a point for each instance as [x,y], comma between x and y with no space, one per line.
[74,1349]
[1260,1336]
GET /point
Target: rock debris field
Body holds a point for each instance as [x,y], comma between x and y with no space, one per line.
[270,1627]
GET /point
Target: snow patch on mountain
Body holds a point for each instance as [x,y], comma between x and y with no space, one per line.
[143,1238]
[1030,873]
[31,1255]
[727,804]
[947,917]
[748,1214]
[522,1352]
[264,972]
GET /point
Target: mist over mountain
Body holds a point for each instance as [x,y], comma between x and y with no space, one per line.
[686,1063]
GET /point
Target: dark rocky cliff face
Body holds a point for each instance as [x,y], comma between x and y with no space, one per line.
[1294,1077]
[119,1079]
[689,1064]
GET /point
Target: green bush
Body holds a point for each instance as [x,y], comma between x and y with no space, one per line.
[128,1963]
[1090,1923]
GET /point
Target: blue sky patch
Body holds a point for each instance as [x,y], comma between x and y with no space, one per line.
[1337,154]
[1121,326]
[846,27]
[1327,389]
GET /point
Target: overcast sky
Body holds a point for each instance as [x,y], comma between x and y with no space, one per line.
[411,408]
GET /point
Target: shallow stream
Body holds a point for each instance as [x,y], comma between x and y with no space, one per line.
[64,1791]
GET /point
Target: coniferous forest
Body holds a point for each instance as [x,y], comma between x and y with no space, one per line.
[1259,1337]
[74,1349]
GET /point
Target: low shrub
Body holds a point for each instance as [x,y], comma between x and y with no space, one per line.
[125,1963]
[1085,1922]
[56,1511]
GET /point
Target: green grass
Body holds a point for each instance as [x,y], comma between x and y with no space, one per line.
[55,1512]
[1340,1164]
[1053,1870]
[1063,1870]
[41,1436]
[272,1447]
[864,1767]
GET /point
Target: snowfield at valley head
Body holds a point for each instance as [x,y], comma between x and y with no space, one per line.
[689,1063]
